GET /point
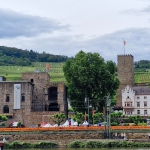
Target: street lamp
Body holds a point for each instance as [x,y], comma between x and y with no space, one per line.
[89,106]
[107,108]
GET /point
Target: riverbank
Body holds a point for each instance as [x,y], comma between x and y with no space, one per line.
[63,138]
[111,143]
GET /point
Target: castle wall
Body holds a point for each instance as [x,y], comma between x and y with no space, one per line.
[34,87]
[125,74]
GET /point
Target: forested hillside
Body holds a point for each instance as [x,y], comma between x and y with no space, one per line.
[13,56]
[142,66]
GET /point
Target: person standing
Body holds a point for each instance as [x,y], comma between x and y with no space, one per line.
[116,135]
[122,135]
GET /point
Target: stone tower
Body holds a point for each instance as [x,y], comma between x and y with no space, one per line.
[125,74]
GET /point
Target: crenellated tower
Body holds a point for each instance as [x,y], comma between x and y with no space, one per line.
[125,74]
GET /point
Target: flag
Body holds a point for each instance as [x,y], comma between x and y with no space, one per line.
[124,42]
[85,116]
[47,67]
[92,111]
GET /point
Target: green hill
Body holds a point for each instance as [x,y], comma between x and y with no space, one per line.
[13,73]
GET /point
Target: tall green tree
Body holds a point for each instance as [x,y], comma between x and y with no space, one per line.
[88,75]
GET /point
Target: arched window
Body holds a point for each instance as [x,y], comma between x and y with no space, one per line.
[5,109]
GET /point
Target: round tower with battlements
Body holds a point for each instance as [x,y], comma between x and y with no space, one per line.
[125,74]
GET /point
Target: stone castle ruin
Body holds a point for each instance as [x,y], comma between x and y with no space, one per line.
[33,99]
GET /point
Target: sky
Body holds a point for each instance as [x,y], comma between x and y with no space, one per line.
[64,27]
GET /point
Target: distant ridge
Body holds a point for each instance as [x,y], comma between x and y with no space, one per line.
[14,56]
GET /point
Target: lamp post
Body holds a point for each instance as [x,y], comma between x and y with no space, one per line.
[88,105]
[108,116]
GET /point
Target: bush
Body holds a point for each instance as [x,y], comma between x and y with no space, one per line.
[114,124]
[30,145]
[76,144]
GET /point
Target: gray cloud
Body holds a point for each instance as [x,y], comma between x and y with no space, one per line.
[137,12]
[13,24]
[108,46]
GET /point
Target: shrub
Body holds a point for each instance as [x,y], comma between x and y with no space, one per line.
[76,144]
[114,124]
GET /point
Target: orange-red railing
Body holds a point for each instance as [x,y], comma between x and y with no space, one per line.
[72,128]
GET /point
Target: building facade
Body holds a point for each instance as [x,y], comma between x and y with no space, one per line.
[136,100]
[33,99]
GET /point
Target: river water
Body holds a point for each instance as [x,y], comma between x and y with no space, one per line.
[82,149]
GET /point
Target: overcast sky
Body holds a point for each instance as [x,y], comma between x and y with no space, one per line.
[64,27]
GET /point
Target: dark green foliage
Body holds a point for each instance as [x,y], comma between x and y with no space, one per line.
[14,56]
[76,144]
[44,145]
[114,124]
[142,64]
[111,144]
[30,145]
[88,75]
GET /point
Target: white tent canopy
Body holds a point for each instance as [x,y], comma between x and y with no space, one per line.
[47,125]
[85,123]
[75,124]
[67,122]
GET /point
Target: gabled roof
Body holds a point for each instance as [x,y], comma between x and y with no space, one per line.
[141,90]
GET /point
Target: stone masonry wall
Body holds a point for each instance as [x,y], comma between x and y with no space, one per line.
[125,74]
[65,138]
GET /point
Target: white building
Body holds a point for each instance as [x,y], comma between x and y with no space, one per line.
[136,100]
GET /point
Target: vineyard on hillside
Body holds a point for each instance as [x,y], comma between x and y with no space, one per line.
[13,73]
[142,77]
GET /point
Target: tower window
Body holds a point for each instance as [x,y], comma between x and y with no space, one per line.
[7,98]
[22,97]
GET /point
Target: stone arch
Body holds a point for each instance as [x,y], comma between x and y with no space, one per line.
[5,109]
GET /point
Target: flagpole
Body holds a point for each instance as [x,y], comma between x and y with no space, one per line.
[124,45]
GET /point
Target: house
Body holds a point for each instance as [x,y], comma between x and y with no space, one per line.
[136,100]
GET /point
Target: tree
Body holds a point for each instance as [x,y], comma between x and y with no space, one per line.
[88,75]
[58,118]
[78,117]
[98,117]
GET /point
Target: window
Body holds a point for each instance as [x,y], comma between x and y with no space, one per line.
[6,109]
[138,97]
[145,97]
[7,98]
[145,112]
[128,103]
[22,97]
[145,104]
[127,96]
[138,111]
[138,104]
